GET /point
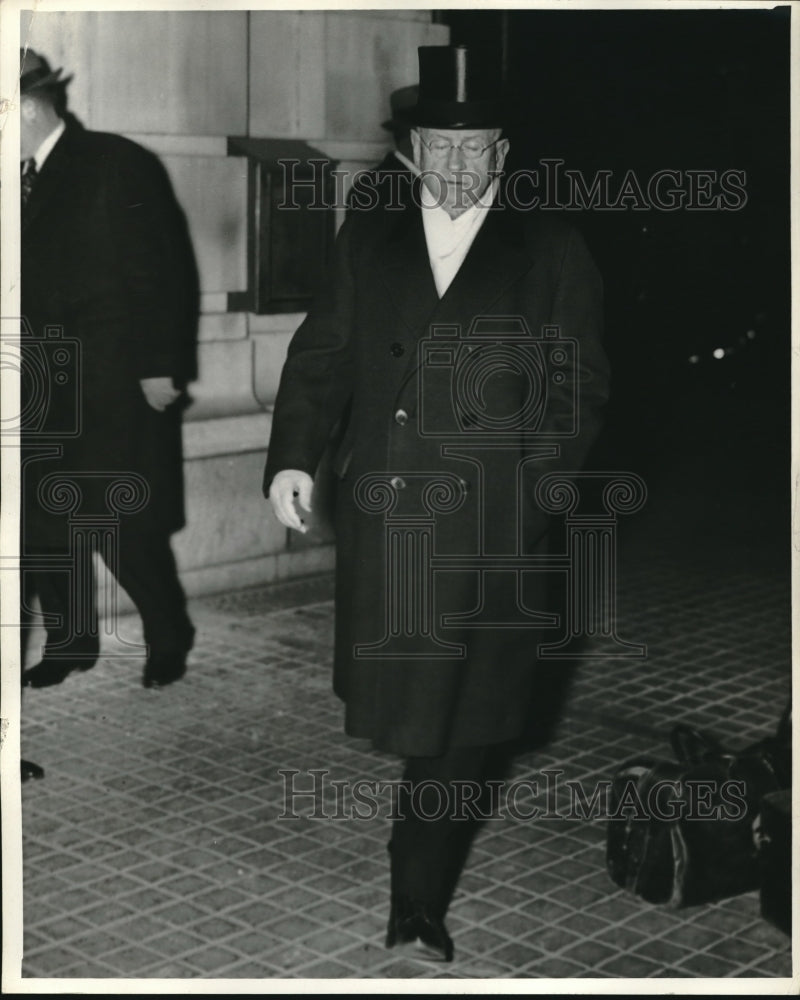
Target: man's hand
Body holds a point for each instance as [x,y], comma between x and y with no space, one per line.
[159,392]
[288,484]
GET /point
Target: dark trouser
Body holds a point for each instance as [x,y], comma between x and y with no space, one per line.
[433,828]
[145,568]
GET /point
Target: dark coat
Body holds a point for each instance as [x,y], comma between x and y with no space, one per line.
[388,184]
[363,342]
[106,261]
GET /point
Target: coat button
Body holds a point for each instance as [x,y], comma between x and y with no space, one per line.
[398,483]
[401,417]
[397,350]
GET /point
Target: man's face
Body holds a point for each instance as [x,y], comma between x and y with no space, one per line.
[458,164]
[28,136]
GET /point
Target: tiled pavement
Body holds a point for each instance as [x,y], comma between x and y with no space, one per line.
[155,846]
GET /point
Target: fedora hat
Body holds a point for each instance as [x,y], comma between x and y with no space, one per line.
[35,72]
[459,87]
[400,103]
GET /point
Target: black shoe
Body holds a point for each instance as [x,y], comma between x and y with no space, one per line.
[415,922]
[164,668]
[51,671]
[29,770]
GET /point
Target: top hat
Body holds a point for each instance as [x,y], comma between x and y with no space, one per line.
[459,88]
[35,72]
[400,102]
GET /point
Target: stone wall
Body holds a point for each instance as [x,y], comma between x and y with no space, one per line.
[180,83]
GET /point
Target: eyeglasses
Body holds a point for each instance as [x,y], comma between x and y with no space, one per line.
[471,148]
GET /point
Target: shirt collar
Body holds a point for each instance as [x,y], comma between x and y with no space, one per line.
[430,203]
[46,146]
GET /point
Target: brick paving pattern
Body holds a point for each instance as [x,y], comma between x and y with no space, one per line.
[156,845]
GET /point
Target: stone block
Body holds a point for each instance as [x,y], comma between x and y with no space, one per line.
[226,435]
[213,193]
[222,326]
[287,74]
[227,517]
[225,380]
[366,58]
[149,71]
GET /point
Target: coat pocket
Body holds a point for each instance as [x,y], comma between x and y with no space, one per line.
[343,451]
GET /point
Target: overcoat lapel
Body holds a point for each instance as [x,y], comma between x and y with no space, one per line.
[49,181]
[406,272]
[496,260]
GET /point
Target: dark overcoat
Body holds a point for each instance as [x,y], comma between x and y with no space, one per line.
[451,426]
[388,183]
[109,297]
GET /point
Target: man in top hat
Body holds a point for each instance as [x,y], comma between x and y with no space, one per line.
[465,336]
[109,307]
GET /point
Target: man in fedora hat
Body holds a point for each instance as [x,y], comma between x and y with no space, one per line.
[465,336]
[109,301]
[389,182]
[401,101]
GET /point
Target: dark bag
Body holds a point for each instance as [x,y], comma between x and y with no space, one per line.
[681,832]
[774,838]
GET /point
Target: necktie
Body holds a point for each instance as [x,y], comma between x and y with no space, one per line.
[28,179]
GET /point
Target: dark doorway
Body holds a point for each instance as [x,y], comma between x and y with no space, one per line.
[678,120]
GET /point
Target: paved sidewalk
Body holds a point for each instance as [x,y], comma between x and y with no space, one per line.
[156,845]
